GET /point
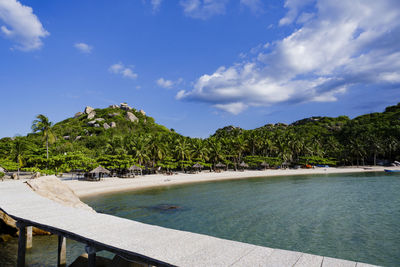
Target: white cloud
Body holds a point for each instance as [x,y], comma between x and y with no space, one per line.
[165,83]
[156,4]
[84,48]
[255,6]
[354,43]
[234,108]
[22,26]
[121,69]
[203,9]
[168,83]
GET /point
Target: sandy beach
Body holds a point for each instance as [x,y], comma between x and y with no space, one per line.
[111,185]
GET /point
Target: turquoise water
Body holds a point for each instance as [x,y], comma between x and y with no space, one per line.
[348,216]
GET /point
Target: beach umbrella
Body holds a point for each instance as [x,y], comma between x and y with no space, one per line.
[134,168]
[220,165]
[100,169]
[197,166]
[244,165]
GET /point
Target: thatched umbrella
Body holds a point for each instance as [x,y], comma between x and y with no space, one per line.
[265,164]
[98,172]
[243,165]
[197,166]
[220,165]
[135,169]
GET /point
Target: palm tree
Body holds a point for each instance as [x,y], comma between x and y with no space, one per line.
[18,151]
[182,151]
[42,124]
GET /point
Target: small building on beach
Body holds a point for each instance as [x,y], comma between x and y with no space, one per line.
[135,170]
[97,173]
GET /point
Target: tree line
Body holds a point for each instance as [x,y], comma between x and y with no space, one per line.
[368,139]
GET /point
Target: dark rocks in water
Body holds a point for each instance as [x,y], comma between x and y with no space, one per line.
[166,207]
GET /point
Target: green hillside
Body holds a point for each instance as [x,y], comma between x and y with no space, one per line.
[119,136]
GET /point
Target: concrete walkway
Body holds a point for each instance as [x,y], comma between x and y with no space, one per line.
[148,243]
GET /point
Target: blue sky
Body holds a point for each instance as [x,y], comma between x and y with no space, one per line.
[198,65]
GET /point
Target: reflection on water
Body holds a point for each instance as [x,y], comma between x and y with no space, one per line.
[352,216]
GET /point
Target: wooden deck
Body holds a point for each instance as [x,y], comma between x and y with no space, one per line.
[151,244]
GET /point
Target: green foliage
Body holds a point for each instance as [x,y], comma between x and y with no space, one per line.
[75,143]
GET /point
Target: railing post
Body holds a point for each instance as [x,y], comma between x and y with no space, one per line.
[62,252]
[91,251]
[21,244]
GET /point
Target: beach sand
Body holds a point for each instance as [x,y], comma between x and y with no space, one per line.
[111,185]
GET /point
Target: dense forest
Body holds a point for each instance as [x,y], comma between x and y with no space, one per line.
[119,136]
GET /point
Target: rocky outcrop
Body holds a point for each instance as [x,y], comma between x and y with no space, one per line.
[97,125]
[129,116]
[93,122]
[89,110]
[78,114]
[78,137]
[67,137]
[106,126]
[91,115]
[142,111]
[113,114]
[125,106]
[52,188]
[113,124]
[113,106]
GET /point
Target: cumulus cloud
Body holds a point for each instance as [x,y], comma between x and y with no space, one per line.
[335,48]
[203,9]
[123,70]
[164,83]
[21,25]
[84,48]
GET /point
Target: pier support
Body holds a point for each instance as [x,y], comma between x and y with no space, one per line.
[21,244]
[29,238]
[91,251]
[62,252]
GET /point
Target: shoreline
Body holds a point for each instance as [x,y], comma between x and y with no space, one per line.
[114,185]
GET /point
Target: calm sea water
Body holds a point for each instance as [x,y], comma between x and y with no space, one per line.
[348,216]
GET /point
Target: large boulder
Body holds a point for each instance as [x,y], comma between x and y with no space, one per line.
[78,114]
[125,106]
[113,114]
[113,124]
[142,111]
[88,110]
[106,126]
[53,188]
[131,117]
[91,115]
[113,106]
